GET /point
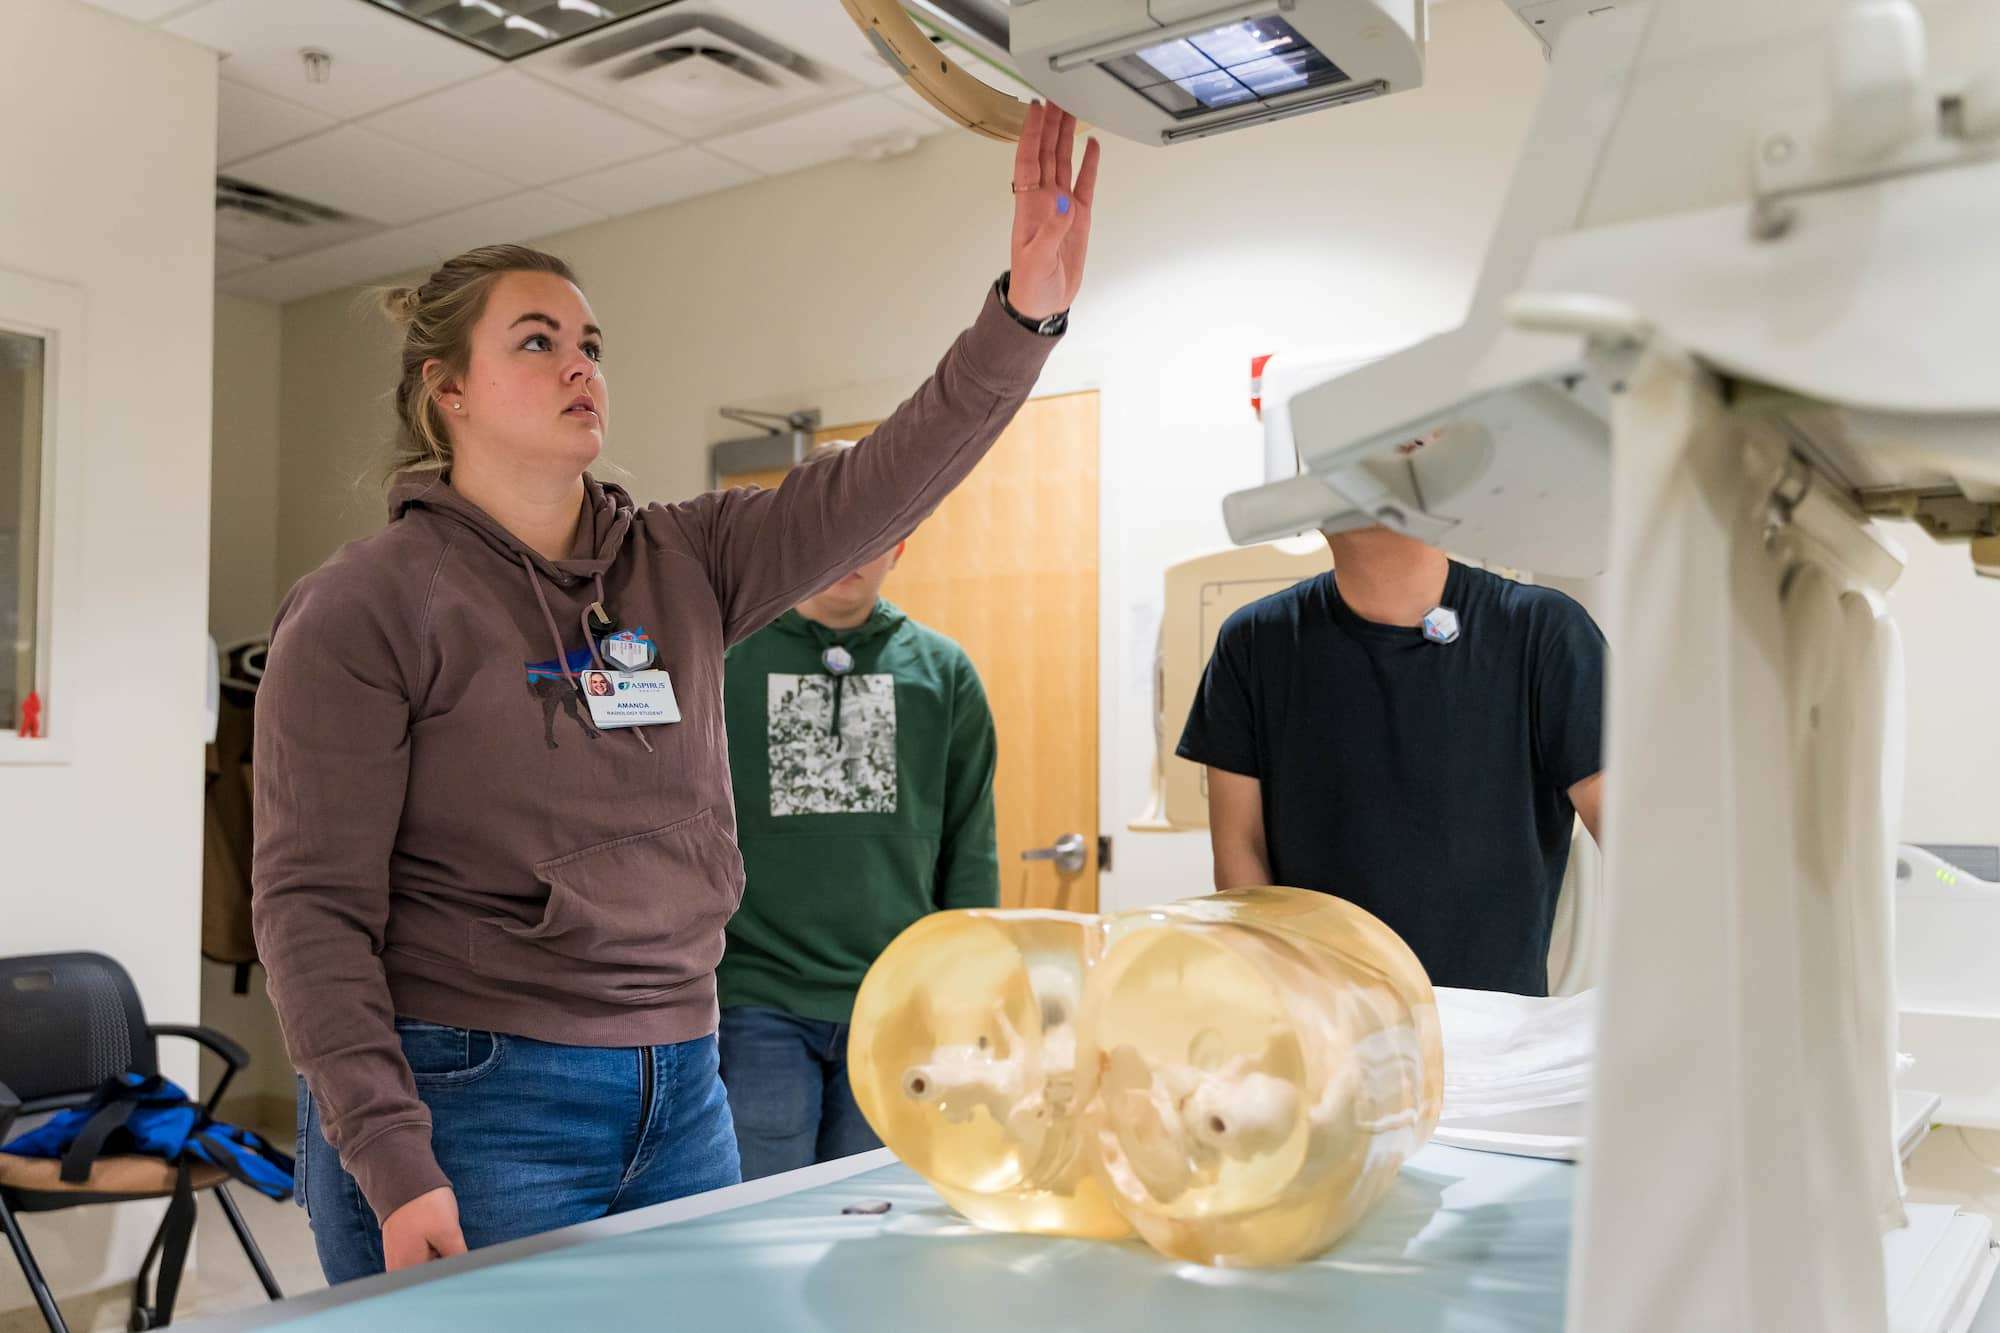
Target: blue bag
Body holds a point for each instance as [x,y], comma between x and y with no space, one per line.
[153,1117]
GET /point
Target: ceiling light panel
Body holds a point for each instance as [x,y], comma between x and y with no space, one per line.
[510,29]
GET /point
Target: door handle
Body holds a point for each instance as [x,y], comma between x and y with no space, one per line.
[1070,853]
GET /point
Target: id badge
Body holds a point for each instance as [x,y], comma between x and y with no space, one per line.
[629,698]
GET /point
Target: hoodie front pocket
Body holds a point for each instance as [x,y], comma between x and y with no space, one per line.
[640,914]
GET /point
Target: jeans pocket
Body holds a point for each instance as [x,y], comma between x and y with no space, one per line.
[304,1117]
[441,1056]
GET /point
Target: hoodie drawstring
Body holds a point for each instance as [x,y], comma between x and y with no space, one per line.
[825,641]
[555,637]
[589,639]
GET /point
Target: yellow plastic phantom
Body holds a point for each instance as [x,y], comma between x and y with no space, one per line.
[1235,1077]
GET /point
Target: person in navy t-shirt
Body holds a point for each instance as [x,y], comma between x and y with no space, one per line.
[1431,778]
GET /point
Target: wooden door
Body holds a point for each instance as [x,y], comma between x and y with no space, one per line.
[1007,566]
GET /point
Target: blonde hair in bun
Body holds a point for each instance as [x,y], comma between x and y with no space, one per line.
[398,303]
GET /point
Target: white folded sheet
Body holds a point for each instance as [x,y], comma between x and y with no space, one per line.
[1516,1071]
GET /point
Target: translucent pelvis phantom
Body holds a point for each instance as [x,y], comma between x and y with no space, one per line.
[1235,1077]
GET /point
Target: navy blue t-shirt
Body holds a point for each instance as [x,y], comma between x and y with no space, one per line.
[1427,783]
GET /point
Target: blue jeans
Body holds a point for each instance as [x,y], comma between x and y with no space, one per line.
[533,1136]
[788,1090]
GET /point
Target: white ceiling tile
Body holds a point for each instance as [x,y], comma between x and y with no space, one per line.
[680,174]
[249,122]
[143,11]
[367,260]
[820,30]
[519,217]
[821,135]
[520,128]
[909,97]
[363,173]
[379,59]
[229,261]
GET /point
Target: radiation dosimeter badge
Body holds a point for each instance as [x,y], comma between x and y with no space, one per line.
[1441,625]
[629,650]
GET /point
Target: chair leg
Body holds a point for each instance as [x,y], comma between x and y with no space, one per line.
[45,1298]
[250,1250]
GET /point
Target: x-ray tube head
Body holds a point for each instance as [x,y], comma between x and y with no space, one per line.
[1482,475]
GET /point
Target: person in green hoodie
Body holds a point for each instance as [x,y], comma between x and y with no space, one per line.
[862,751]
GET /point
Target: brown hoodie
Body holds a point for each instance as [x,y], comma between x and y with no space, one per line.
[441,832]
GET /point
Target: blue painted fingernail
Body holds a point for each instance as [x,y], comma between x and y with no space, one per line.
[1062,203]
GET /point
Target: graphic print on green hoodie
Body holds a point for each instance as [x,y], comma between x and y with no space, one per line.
[846,843]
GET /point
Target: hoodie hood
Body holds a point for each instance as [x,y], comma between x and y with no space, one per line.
[608,515]
[881,623]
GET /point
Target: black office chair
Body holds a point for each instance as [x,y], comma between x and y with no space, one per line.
[68,1022]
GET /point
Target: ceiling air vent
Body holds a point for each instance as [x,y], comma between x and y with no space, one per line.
[272,225]
[701,81]
[693,71]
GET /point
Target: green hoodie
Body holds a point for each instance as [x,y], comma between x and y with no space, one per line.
[846,844]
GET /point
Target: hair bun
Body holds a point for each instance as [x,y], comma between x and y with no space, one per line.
[400,304]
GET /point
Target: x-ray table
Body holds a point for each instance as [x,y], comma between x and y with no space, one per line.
[1465,1243]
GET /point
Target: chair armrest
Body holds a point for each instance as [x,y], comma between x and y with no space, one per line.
[10,1107]
[232,1055]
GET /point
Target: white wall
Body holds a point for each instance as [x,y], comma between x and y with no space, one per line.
[109,166]
[840,286]
[1951,641]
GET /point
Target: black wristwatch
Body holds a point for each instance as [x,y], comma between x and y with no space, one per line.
[1052,327]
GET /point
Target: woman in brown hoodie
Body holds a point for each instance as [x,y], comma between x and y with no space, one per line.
[491,907]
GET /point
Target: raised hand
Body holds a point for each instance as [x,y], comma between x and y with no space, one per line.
[1051,213]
